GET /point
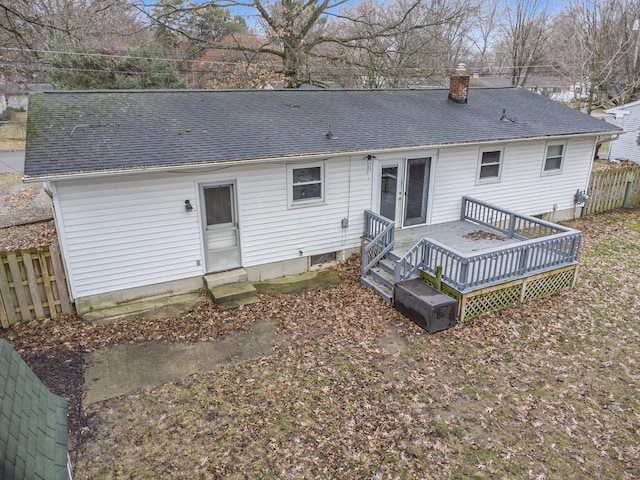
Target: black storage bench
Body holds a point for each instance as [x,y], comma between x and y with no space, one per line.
[426,306]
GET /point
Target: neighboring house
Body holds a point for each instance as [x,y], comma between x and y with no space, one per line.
[33,423]
[556,87]
[224,66]
[627,145]
[16,96]
[154,189]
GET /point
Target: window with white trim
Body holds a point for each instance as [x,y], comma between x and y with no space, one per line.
[305,183]
[490,165]
[553,158]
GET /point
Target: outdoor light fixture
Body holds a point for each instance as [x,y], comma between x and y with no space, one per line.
[187,205]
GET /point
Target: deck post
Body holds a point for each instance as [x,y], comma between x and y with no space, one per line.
[438,285]
[512,225]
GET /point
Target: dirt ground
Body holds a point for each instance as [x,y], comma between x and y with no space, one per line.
[547,389]
[25,214]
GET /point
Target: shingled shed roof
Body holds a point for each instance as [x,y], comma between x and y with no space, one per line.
[33,423]
[76,133]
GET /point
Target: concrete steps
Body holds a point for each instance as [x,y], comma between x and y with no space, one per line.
[149,308]
[231,289]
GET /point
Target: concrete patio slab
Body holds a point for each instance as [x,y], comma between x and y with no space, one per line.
[122,369]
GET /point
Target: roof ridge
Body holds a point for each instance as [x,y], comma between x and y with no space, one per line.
[256,90]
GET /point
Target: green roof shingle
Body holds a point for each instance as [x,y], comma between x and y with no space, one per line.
[33,423]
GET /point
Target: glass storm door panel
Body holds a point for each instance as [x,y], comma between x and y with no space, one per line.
[221,233]
[416,191]
[388,191]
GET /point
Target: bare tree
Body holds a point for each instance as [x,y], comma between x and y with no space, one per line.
[523,38]
[46,38]
[419,43]
[299,31]
[594,42]
[481,38]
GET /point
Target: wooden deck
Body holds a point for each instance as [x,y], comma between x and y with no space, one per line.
[463,236]
[488,259]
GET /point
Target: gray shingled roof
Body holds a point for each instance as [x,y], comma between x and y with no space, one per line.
[83,132]
[33,423]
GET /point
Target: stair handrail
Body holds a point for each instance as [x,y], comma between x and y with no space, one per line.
[384,241]
[409,265]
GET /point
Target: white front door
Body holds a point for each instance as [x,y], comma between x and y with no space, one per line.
[403,190]
[222,240]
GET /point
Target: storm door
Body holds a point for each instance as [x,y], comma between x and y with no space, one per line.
[222,243]
[416,191]
[404,191]
[389,191]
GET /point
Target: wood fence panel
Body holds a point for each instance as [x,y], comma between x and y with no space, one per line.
[614,188]
[8,310]
[61,283]
[32,285]
[46,278]
[18,285]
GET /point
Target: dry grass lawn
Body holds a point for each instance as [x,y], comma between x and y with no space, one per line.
[12,134]
[545,390]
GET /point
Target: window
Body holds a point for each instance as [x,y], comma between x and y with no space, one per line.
[490,165]
[306,184]
[553,158]
[323,258]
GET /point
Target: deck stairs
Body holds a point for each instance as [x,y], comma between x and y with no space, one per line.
[381,277]
[231,289]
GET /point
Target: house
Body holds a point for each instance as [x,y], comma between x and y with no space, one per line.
[627,145]
[33,423]
[154,189]
[229,65]
[16,96]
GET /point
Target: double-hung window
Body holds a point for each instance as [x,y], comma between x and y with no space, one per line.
[553,158]
[305,183]
[490,165]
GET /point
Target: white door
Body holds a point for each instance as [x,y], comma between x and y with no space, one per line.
[222,243]
[404,190]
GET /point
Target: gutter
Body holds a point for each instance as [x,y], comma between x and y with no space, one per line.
[187,167]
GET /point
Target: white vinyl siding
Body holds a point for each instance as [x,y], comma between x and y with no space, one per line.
[521,188]
[131,232]
[627,146]
[134,230]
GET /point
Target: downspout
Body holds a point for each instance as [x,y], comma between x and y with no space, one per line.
[47,189]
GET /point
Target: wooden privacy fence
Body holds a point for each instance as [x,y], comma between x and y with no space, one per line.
[33,285]
[613,188]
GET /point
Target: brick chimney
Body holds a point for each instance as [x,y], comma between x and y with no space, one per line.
[459,85]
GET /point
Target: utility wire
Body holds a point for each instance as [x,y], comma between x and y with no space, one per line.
[506,68]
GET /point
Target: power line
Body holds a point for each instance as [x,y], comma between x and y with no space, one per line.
[493,67]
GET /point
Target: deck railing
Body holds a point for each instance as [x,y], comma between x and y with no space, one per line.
[544,246]
[379,239]
[507,222]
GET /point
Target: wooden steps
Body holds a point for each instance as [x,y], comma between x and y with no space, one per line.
[381,279]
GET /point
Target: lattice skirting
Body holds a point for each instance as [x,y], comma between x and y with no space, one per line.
[497,297]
